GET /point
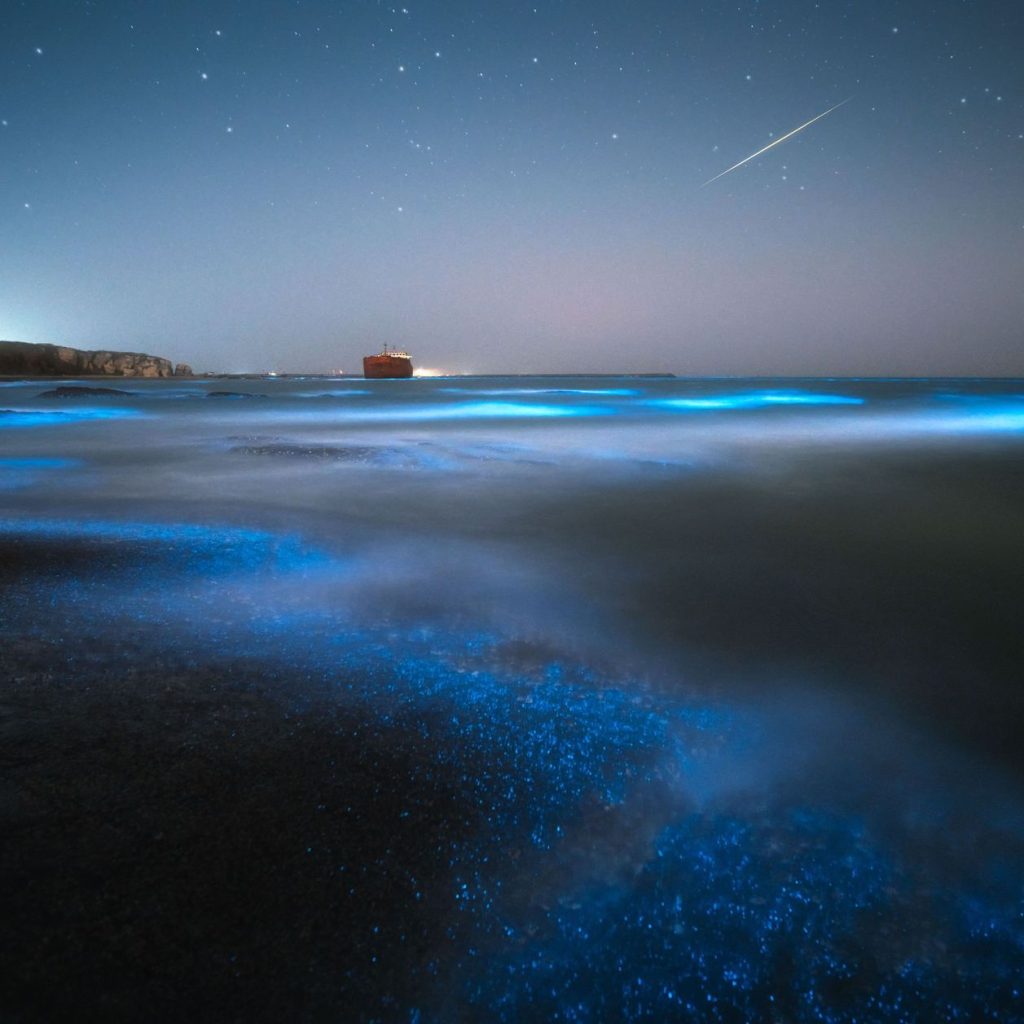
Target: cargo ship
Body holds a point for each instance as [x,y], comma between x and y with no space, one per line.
[391,364]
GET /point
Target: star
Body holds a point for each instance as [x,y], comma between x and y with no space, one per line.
[203,75]
[39,51]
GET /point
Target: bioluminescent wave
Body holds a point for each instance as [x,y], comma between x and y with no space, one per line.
[617,392]
[31,464]
[758,399]
[15,418]
[480,410]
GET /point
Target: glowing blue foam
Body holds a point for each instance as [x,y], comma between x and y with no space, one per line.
[42,463]
[201,549]
[625,898]
[511,410]
[541,391]
[756,400]
[38,418]
[463,411]
[978,414]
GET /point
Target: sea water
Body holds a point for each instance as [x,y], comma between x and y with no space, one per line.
[559,698]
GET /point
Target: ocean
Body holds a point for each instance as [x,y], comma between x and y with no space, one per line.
[513,698]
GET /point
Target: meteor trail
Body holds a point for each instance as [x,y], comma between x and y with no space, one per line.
[788,135]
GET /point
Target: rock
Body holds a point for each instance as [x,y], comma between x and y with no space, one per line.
[339,453]
[182,370]
[72,391]
[22,357]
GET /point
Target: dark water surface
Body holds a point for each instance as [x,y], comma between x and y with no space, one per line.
[575,699]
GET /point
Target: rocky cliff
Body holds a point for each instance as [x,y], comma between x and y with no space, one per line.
[21,357]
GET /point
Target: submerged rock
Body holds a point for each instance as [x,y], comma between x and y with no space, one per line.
[78,391]
[340,453]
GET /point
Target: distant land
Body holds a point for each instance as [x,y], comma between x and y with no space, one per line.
[23,357]
[27,359]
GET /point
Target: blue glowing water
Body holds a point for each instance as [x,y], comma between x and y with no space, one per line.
[706,690]
[16,472]
[14,418]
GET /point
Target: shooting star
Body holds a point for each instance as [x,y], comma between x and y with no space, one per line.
[776,142]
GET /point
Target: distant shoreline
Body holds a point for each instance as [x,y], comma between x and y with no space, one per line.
[499,376]
[306,376]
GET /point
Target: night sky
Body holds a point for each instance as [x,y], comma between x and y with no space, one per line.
[516,187]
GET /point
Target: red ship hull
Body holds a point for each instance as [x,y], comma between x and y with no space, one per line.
[386,367]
